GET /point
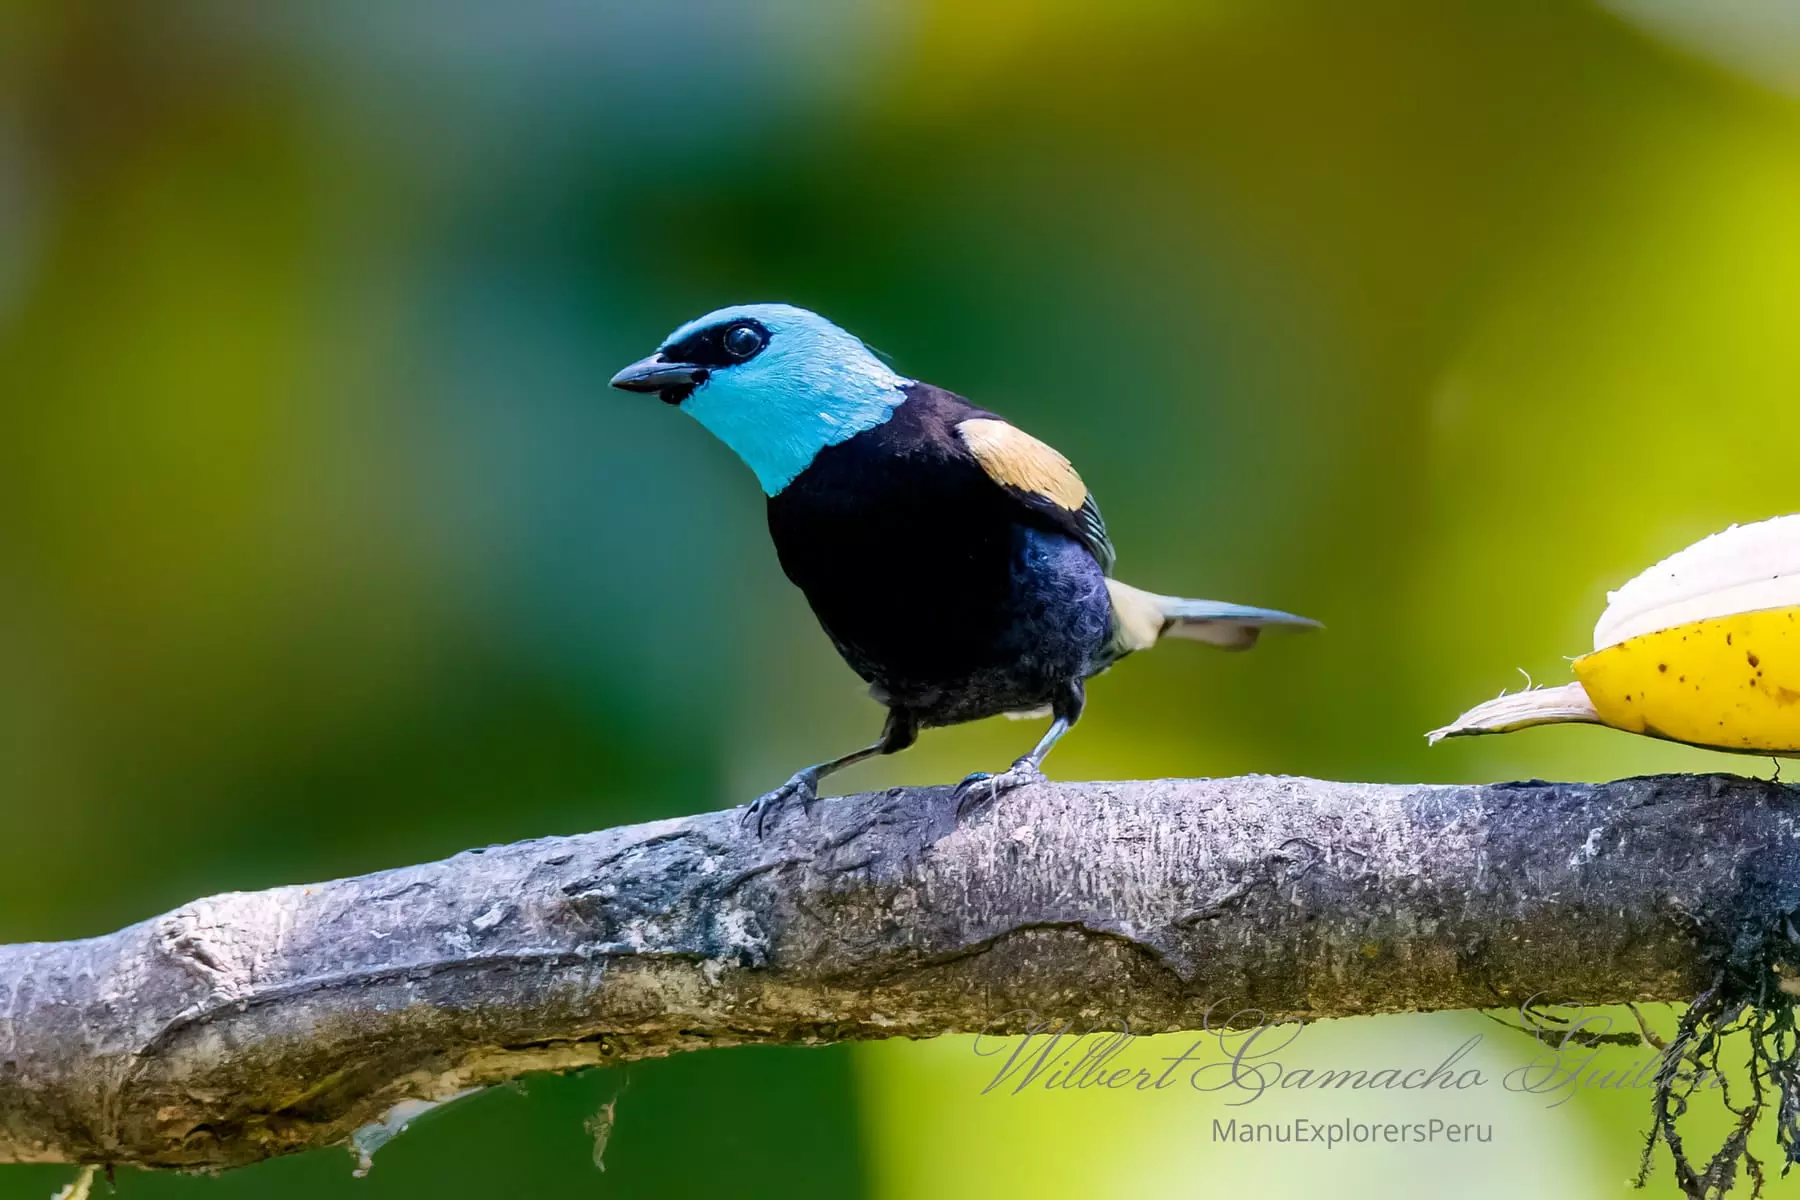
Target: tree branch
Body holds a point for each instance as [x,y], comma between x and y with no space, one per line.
[254,1024]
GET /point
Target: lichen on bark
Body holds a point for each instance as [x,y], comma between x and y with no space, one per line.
[249,1025]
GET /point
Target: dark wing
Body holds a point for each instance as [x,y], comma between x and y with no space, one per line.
[1039,478]
[1093,534]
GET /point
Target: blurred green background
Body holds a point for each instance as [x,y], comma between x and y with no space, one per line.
[325,548]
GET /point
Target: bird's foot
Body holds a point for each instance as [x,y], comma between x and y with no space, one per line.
[981,788]
[803,786]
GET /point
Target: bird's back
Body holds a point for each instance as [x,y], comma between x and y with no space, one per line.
[937,587]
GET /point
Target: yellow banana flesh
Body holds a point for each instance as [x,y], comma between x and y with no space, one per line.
[1729,683]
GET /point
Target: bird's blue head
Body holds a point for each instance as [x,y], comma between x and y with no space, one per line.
[776,383]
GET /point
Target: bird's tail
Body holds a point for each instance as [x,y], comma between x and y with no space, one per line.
[1142,618]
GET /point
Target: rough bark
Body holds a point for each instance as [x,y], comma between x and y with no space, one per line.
[253,1024]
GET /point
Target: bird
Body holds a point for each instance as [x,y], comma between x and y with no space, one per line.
[959,565]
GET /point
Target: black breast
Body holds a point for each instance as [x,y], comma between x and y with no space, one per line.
[939,588]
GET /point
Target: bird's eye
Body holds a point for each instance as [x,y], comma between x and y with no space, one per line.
[743,341]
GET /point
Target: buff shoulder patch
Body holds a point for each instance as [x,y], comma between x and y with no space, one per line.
[1015,459]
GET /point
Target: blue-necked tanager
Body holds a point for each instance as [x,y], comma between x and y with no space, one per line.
[958,564]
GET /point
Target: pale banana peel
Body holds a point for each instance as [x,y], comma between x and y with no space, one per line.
[1703,648]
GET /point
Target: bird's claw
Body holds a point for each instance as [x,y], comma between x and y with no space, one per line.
[803,786]
[982,788]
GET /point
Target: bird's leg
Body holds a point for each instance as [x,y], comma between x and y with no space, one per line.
[981,787]
[901,731]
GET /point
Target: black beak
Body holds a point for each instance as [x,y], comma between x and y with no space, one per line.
[672,381]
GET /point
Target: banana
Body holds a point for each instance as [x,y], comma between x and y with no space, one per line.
[1703,648]
[1731,683]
